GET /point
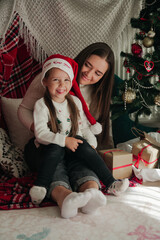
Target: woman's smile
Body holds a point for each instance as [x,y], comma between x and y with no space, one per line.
[84,77]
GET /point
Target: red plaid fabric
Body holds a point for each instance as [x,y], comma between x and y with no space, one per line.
[17,67]
[14,193]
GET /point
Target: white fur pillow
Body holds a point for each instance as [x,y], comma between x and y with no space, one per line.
[18,134]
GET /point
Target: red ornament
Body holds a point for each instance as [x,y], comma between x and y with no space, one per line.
[149,65]
[136,49]
[142,33]
[128,70]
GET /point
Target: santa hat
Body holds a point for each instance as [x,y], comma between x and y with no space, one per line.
[71,68]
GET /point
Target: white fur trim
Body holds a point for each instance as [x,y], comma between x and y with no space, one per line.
[58,63]
[96,128]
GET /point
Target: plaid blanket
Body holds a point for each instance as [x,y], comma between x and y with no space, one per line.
[14,193]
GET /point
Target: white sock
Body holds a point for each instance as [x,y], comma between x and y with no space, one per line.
[97,200]
[72,202]
[37,194]
[118,187]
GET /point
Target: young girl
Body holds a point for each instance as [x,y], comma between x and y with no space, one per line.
[62,130]
[58,119]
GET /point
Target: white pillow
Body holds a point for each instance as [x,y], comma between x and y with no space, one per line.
[18,134]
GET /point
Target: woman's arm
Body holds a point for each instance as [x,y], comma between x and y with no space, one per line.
[26,117]
[25,110]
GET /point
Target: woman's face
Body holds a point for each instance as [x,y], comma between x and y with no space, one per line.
[93,70]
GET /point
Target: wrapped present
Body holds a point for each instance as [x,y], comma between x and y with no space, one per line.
[118,161]
[145,154]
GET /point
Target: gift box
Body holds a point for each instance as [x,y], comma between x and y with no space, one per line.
[145,154]
[118,161]
[146,151]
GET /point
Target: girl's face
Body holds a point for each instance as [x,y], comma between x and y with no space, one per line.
[58,84]
[93,70]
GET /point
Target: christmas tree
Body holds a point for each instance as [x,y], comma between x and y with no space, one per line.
[141,91]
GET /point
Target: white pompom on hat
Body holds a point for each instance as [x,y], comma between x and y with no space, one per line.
[71,68]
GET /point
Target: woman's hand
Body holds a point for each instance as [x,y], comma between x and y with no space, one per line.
[72,143]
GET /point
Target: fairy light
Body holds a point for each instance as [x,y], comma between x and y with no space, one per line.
[144,87]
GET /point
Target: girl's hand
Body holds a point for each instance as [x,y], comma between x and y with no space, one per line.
[72,143]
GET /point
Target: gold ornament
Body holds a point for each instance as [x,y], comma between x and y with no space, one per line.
[129,96]
[157,100]
[148,42]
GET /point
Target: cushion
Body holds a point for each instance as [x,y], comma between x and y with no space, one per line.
[11,157]
[18,134]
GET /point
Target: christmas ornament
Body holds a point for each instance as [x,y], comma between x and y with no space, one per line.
[157,100]
[136,49]
[151,34]
[149,65]
[142,33]
[129,95]
[148,42]
[128,70]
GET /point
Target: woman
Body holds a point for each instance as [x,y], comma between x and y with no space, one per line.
[96,84]
[95,77]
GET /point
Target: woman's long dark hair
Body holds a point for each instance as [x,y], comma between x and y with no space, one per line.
[102,90]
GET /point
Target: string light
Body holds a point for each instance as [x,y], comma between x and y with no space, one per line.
[144,87]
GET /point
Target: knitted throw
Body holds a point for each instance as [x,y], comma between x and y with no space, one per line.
[67,26]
